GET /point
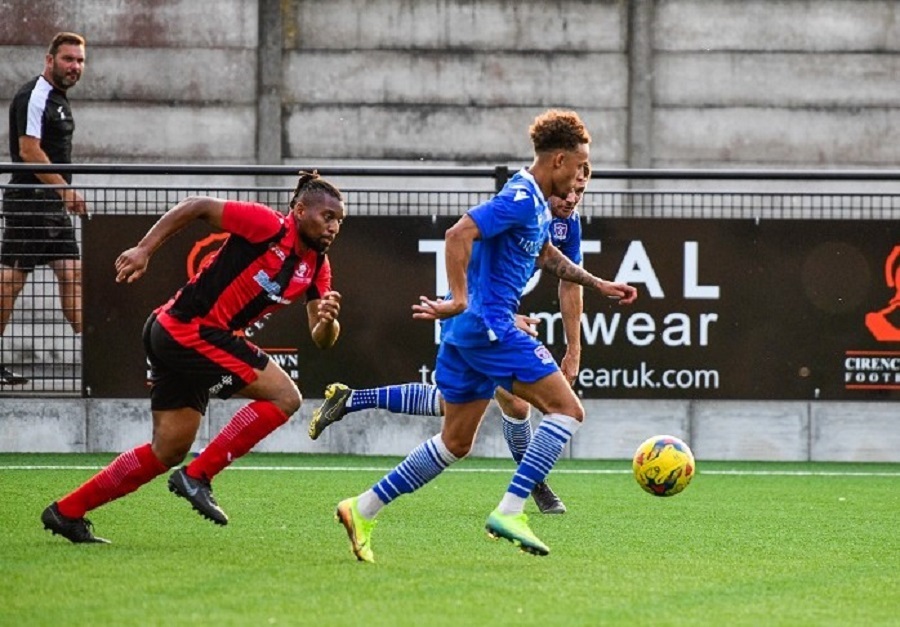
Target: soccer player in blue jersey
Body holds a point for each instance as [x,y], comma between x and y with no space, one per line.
[490,254]
[425,400]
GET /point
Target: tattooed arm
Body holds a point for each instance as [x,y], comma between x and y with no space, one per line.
[553,261]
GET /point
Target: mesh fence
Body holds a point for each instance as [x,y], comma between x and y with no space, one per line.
[40,314]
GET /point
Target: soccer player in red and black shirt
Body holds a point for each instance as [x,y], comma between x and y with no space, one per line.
[195,346]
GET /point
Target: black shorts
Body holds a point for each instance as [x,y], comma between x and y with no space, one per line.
[188,363]
[36,229]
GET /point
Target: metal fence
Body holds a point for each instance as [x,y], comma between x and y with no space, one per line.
[39,342]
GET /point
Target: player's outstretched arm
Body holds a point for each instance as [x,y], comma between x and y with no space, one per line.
[553,261]
[132,263]
[457,251]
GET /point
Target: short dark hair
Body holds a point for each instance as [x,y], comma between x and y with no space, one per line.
[312,183]
[557,129]
[62,39]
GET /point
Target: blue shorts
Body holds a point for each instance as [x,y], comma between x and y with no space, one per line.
[469,373]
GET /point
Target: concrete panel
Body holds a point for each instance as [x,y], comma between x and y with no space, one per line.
[845,432]
[108,132]
[190,74]
[823,26]
[777,80]
[586,25]
[764,431]
[116,425]
[614,429]
[47,426]
[716,430]
[850,137]
[137,23]
[483,135]
[575,80]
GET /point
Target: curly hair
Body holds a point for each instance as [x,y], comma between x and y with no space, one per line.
[556,129]
[312,183]
[63,39]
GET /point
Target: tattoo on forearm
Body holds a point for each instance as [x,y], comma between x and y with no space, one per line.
[564,269]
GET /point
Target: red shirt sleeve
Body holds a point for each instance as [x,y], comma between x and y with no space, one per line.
[252,221]
[322,283]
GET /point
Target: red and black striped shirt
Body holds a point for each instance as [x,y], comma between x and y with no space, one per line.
[255,272]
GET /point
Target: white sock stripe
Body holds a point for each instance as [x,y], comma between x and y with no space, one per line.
[119,469]
[243,417]
[556,432]
[542,463]
[514,421]
[434,453]
[436,403]
[443,452]
[388,483]
[568,423]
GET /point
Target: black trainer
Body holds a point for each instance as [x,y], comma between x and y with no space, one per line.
[197,492]
[8,377]
[546,500]
[75,530]
[332,410]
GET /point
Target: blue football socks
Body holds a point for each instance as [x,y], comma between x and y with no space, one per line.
[546,446]
[425,463]
[418,399]
[518,436]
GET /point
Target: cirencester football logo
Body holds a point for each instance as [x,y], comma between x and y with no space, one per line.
[879,369]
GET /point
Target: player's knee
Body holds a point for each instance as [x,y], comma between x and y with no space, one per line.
[460,450]
[572,408]
[459,447]
[169,454]
[517,409]
[289,400]
[577,411]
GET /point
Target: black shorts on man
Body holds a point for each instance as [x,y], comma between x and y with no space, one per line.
[36,229]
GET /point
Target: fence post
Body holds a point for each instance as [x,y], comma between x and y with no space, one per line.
[501,175]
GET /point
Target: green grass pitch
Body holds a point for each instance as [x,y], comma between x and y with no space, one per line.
[745,544]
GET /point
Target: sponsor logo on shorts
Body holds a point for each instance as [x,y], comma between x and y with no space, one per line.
[218,387]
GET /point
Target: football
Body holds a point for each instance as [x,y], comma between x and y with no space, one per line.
[663,465]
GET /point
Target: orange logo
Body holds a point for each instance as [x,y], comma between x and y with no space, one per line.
[880,322]
[203,252]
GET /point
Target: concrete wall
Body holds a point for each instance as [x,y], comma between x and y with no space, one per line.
[671,83]
[793,84]
[716,430]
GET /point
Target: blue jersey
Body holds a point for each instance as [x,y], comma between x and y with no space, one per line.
[565,234]
[514,226]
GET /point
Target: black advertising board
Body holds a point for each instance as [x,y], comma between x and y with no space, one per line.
[728,309]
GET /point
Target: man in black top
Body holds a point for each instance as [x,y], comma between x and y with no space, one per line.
[37,230]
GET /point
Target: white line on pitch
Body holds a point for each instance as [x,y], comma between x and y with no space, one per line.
[556,471]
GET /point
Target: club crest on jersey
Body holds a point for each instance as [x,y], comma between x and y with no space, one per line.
[560,230]
[542,353]
[302,271]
